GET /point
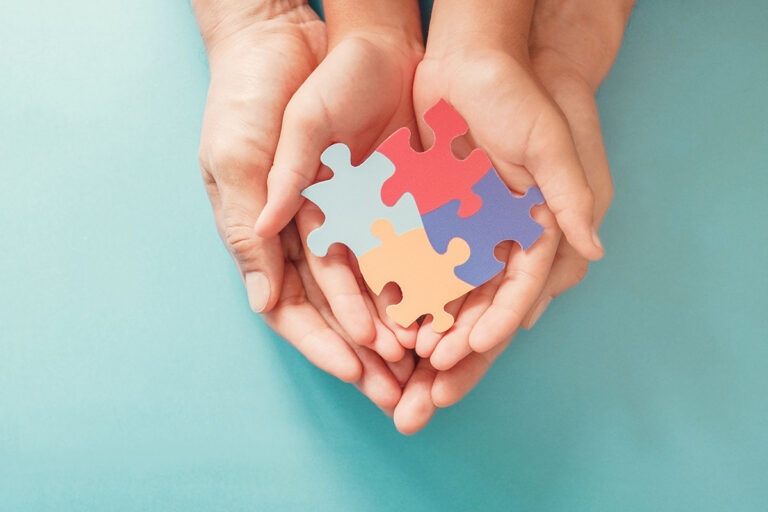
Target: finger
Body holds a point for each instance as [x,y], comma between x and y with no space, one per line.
[524,277]
[552,159]
[338,282]
[378,382]
[237,195]
[455,344]
[384,342]
[452,385]
[415,408]
[313,120]
[427,339]
[296,320]
[403,368]
[542,144]
[304,133]
[577,102]
[406,336]
[569,267]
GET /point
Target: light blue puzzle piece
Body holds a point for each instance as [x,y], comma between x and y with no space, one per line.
[351,202]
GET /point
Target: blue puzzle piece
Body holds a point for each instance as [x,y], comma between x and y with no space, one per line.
[351,202]
[503,216]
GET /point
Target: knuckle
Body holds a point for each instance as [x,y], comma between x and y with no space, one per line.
[239,239]
[586,199]
[240,245]
[301,114]
[238,234]
[233,161]
[208,180]
[578,273]
[580,201]
[580,270]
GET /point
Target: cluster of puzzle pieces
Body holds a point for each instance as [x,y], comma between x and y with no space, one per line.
[424,220]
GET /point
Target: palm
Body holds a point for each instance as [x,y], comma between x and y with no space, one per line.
[361,113]
[358,95]
[254,74]
[508,125]
[572,48]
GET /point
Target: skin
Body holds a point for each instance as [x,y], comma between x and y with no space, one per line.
[268,77]
[460,62]
[359,94]
[572,46]
[260,54]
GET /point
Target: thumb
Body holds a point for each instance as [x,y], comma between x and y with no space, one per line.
[554,163]
[237,199]
[303,136]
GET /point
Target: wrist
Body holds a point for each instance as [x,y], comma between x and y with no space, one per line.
[580,38]
[217,20]
[473,27]
[392,42]
[398,21]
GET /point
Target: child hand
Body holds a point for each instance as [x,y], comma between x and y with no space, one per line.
[573,45]
[359,94]
[521,129]
[302,316]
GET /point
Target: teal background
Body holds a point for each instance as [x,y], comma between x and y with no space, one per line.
[134,377]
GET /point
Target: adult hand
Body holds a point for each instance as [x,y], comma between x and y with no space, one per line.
[259,55]
[303,317]
[573,46]
[489,81]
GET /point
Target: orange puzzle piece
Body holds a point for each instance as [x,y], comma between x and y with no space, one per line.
[426,278]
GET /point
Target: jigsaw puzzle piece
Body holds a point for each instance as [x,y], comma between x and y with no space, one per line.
[503,216]
[351,202]
[434,177]
[426,278]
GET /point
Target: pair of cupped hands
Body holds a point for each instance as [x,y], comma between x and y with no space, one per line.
[285,85]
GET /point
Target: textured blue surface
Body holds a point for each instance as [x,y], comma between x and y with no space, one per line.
[133,376]
[503,216]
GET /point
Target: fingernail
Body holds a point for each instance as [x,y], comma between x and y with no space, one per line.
[257,288]
[537,312]
[596,238]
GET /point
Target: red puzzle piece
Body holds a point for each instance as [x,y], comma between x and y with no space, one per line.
[434,177]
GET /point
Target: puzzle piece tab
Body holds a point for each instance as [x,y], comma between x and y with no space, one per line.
[435,176]
[503,216]
[351,202]
[426,278]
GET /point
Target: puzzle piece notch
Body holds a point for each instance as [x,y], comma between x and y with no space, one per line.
[351,202]
[426,278]
[503,216]
[434,177]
